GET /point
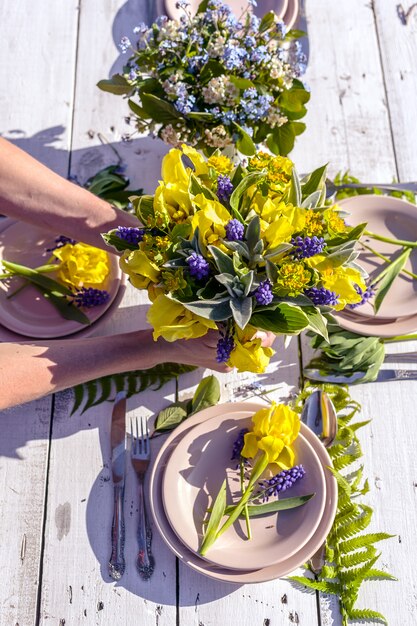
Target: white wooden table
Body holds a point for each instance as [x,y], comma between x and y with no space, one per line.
[55,487]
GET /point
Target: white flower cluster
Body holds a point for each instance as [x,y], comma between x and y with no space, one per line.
[274,118]
[172,84]
[217,137]
[216,45]
[220,90]
[176,136]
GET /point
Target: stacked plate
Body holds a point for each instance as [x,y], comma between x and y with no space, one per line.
[187,475]
[286,10]
[28,313]
[396,219]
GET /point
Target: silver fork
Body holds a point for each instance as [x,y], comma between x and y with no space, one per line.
[140,456]
[331,188]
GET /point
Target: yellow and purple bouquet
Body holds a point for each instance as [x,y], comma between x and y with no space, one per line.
[239,248]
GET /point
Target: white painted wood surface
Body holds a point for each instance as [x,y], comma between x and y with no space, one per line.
[55,491]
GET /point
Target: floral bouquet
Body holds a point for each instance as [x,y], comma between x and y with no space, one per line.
[213,80]
[239,248]
[73,279]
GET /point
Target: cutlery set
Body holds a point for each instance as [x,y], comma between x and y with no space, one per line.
[140,455]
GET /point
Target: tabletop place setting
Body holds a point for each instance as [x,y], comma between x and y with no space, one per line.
[275,478]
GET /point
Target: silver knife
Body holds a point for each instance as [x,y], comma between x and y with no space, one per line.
[383,375]
[118,448]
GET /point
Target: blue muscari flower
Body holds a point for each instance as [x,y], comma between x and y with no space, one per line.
[61,241]
[130,234]
[238,445]
[225,346]
[321,296]
[234,57]
[282,481]
[305,247]
[235,230]
[124,44]
[90,297]
[224,190]
[199,267]
[263,293]
[366,295]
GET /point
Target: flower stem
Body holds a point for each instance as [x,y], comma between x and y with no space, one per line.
[257,471]
[387,260]
[399,338]
[245,510]
[395,242]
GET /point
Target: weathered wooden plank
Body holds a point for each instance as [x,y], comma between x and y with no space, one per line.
[23,466]
[397,29]
[37,76]
[347,119]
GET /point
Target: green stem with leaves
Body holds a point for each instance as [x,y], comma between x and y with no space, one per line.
[394,242]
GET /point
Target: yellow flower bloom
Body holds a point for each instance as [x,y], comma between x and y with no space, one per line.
[335,223]
[314,225]
[197,159]
[171,204]
[341,280]
[173,169]
[211,220]
[293,277]
[248,355]
[140,268]
[82,265]
[222,164]
[279,169]
[274,429]
[172,321]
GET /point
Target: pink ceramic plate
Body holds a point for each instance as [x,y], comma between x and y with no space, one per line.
[237,6]
[392,218]
[28,313]
[219,573]
[291,14]
[192,478]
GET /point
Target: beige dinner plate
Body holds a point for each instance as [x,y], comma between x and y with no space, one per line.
[194,474]
[193,560]
[237,6]
[291,13]
[29,314]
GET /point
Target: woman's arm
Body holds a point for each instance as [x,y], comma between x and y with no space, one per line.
[31,370]
[31,192]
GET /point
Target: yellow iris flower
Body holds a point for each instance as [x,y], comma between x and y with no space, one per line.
[211,220]
[341,280]
[82,266]
[274,429]
[249,355]
[140,268]
[172,321]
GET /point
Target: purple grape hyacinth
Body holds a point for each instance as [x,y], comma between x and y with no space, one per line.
[366,295]
[130,234]
[61,241]
[263,293]
[199,267]
[305,247]
[238,445]
[225,346]
[321,296]
[90,297]
[235,230]
[224,188]
[281,482]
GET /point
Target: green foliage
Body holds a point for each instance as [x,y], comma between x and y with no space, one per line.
[112,186]
[350,553]
[97,391]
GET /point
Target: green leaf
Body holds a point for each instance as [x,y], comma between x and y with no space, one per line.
[207,394]
[159,110]
[285,319]
[281,140]
[387,276]
[241,83]
[295,189]
[200,116]
[170,417]
[367,615]
[314,181]
[144,208]
[272,507]
[36,278]
[223,261]
[115,242]
[251,179]
[245,143]
[67,310]
[216,310]
[196,187]
[241,311]
[267,21]
[215,518]
[138,110]
[117,85]
[316,321]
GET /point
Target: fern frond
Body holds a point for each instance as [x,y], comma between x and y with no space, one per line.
[97,391]
[346,515]
[356,558]
[329,572]
[361,522]
[379,574]
[344,461]
[367,615]
[342,483]
[355,576]
[362,541]
[317,585]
